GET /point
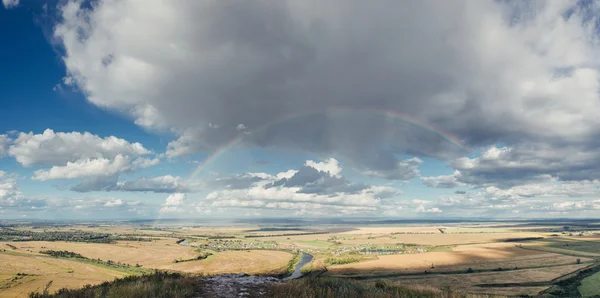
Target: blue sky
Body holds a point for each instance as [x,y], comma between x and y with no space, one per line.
[108,107]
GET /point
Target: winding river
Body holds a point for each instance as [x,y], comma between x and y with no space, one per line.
[306,258]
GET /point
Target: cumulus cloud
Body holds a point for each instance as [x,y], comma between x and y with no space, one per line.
[11,196]
[307,190]
[85,168]
[447,181]
[76,155]
[194,66]
[10,3]
[114,202]
[173,203]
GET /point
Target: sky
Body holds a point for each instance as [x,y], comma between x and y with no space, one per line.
[190,109]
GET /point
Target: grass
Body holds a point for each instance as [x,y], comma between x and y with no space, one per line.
[292,264]
[341,261]
[322,287]
[590,286]
[162,284]
[158,284]
[40,270]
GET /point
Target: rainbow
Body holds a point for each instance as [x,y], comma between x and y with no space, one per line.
[388,114]
[339,110]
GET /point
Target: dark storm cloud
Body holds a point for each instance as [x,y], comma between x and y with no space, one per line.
[413,77]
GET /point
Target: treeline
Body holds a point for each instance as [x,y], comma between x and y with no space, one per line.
[202,256]
[65,254]
[73,236]
[285,235]
[62,254]
[522,239]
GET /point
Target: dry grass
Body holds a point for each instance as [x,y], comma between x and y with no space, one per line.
[468,282]
[251,262]
[478,257]
[40,270]
[441,239]
[148,254]
[388,230]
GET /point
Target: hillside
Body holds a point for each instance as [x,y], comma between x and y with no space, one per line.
[161,284]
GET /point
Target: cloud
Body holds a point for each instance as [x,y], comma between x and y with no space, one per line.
[158,184]
[4,142]
[114,202]
[307,190]
[400,170]
[85,168]
[76,155]
[447,181]
[173,203]
[8,4]
[11,196]
[509,166]
[330,166]
[195,67]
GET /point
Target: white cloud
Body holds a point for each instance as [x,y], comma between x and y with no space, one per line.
[447,181]
[10,3]
[77,155]
[330,166]
[50,148]
[314,189]
[114,202]
[85,168]
[173,203]
[422,209]
[145,162]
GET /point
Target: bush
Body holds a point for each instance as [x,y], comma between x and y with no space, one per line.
[470,270]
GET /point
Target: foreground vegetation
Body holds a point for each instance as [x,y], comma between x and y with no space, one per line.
[158,284]
[163,284]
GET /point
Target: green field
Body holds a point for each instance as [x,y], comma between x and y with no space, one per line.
[590,286]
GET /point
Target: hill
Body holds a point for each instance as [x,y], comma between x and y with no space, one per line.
[163,284]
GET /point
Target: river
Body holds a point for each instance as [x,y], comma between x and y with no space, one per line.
[306,258]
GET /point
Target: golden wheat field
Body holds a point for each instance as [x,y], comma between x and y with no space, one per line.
[148,254]
[251,262]
[475,256]
[40,270]
[470,282]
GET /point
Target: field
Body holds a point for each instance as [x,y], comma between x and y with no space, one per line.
[474,257]
[20,275]
[250,262]
[148,254]
[493,258]
[590,286]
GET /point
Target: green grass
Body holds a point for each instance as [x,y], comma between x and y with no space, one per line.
[291,267]
[590,286]
[316,243]
[341,261]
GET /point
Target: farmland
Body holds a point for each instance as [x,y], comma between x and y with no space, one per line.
[494,258]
